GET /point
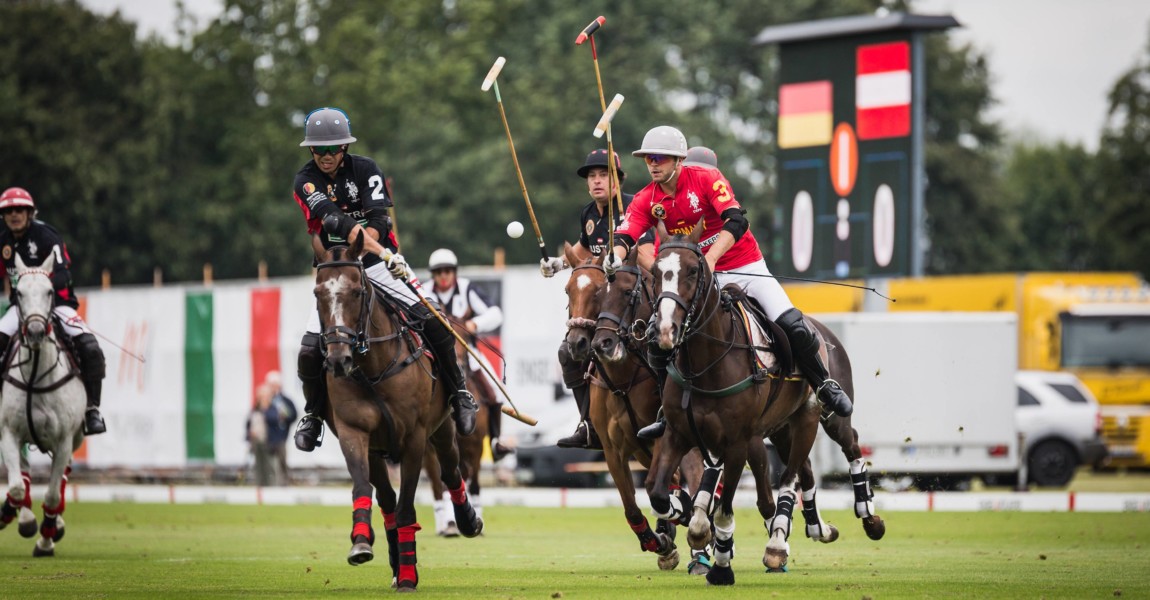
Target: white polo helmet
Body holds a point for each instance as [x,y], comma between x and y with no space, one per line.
[663,139]
[442,259]
[701,156]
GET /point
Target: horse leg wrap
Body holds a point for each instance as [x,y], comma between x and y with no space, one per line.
[648,541]
[708,489]
[784,510]
[8,512]
[811,515]
[674,508]
[361,520]
[864,496]
[408,576]
[724,541]
[392,534]
[465,518]
[48,526]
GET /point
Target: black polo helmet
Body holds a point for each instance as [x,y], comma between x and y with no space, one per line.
[327,127]
[598,158]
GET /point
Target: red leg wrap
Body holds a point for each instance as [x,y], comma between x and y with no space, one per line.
[363,502]
[388,520]
[407,559]
[459,496]
[27,477]
[363,529]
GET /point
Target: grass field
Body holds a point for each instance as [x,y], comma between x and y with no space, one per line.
[220,551]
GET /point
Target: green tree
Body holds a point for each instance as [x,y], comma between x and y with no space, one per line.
[1121,214]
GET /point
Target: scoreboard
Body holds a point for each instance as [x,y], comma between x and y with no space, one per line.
[849,138]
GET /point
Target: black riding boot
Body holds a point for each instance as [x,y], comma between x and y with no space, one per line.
[92,374]
[309,432]
[574,377]
[658,359]
[494,428]
[805,346]
[462,403]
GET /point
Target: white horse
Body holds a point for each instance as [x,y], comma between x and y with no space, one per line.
[43,404]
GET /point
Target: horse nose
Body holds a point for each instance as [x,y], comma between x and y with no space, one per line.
[605,344]
[580,347]
[340,365]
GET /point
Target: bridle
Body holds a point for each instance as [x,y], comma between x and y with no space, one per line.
[703,290]
[25,318]
[626,326]
[582,322]
[340,334]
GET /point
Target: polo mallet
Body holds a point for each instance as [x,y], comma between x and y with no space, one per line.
[604,125]
[413,284]
[488,83]
[589,33]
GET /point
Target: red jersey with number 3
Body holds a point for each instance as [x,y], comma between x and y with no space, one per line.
[700,192]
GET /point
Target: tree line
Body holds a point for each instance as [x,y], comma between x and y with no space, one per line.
[147,154]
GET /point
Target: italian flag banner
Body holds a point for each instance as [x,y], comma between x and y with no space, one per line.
[182,382]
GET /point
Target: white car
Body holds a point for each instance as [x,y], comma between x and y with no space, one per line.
[1060,424]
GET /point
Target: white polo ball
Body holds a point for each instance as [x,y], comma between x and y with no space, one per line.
[515,229]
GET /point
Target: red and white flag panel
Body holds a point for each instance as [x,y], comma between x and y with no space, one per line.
[882,90]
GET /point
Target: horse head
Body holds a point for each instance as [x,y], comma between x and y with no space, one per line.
[682,277]
[343,298]
[35,296]
[584,294]
[626,308]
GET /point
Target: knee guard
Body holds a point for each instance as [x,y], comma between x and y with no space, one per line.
[310,372]
[804,344]
[574,371]
[443,346]
[92,365]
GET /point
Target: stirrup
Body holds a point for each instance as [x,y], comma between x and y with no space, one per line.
[307,438]
[653,431]
[838,401]
[93,421]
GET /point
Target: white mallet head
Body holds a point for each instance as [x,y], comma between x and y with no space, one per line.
[605,120]
[493,73]
[514,229]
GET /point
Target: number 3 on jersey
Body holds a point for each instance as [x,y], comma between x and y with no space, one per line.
[722,193]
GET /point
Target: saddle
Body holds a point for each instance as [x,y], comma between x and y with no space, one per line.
[772,349]
[409,318]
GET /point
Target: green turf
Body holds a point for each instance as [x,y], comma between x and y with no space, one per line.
[217,551]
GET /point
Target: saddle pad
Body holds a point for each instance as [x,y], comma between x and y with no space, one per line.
[763,356]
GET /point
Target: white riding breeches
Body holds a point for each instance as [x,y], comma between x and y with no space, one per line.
[396,288]
[755,280]
[69,319]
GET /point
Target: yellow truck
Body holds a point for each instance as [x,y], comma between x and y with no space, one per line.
[1093,324]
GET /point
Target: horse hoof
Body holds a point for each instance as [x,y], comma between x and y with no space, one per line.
[699,540]
[721,576]
[405,586]
[28,529]
[360,553]
[874,526]
[477,528]
[775,560]
[669,561]
[38,552]
[452,530]
[832,536]
[700,565]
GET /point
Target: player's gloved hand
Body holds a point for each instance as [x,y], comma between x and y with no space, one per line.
[612,263]
[398,266]
[550,266]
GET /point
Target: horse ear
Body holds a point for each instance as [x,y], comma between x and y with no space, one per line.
[20,266]
[632,256]
[661,230]
[356,247]
[49,263]
[697,231]
[569,254]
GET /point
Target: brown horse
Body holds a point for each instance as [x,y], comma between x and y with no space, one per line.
[624,393]
[470,446]
[384,399]
[716,398]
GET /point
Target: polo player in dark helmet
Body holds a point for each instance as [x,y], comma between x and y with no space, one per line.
[343,197]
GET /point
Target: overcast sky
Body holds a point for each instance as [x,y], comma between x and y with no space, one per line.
[1052,61]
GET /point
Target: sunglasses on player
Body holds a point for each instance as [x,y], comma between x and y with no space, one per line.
[655,159]
[324,150]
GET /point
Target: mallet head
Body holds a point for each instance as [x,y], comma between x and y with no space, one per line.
[608,115]
[589,30]
[493,73]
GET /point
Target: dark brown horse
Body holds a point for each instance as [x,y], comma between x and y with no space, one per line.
[384,400]
[718,399]
[470,446]
[624,394]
